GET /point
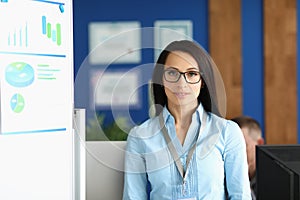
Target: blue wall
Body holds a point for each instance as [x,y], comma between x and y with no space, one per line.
[252,59]
[132,10]
[196,10]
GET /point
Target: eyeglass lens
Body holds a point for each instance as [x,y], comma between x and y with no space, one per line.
[172,75]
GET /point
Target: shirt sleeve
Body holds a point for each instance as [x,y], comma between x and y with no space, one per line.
[236,167]
[135,178]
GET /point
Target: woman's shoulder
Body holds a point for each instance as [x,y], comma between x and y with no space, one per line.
[149,123]
[226,126]
[147,128]
[216,120]
[221,120]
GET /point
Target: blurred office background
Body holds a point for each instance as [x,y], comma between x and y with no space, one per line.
[253,42]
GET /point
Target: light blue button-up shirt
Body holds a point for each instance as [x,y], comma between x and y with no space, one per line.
[218,162]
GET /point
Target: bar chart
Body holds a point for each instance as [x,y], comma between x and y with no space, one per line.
[50,32]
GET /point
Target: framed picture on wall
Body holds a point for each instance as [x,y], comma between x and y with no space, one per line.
[166,31]
[114,42]
[114,89]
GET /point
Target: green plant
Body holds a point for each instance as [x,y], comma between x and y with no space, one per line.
[116,131]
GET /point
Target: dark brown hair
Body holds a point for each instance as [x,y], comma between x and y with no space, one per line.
[248,122]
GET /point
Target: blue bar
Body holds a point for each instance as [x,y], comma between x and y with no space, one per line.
[44,25]
[298,68]
[26,36]
[8,39]
[202,26]
[54,36]
[35,131]
[15,42]
[40,74]
[51,2]
[20,37]
[61,8]
[33,54]
[253,61]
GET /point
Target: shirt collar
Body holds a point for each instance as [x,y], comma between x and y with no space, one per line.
[199,112]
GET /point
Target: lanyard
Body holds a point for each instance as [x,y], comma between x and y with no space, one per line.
[172,148]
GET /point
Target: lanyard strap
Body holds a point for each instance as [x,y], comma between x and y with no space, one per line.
[172,148]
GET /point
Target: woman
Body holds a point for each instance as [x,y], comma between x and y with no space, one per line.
[187,151]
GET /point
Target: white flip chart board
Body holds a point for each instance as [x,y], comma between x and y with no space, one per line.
[36,90]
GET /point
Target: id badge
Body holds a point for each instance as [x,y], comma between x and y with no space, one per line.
[194,198]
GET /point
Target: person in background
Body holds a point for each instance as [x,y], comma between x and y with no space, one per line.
[188,150]
[253,136]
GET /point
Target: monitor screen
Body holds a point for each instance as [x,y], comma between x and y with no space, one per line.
[278,171]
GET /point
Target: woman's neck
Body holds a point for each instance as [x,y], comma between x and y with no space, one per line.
[183,118]
[181,113]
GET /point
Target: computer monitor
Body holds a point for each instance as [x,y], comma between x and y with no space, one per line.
[278,172]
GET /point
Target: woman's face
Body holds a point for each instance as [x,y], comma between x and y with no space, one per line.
[182,93]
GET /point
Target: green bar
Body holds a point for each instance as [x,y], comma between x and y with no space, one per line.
[46,78]
[48,30]
[43,65]
[58,34]
[49,70]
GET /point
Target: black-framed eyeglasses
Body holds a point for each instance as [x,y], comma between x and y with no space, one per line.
[173,75]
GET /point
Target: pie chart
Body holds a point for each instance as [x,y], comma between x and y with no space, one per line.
[19,74]
[17,103]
